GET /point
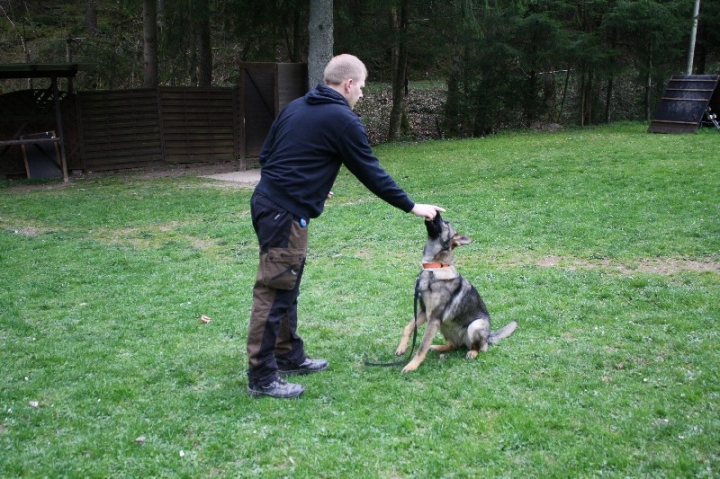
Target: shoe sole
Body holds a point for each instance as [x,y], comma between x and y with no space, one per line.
[257,394]
[298,372]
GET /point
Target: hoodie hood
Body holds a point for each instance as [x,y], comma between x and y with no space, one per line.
[323,94]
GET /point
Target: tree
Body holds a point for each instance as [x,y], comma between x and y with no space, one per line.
[400,60]
[201,17]
[320,32]
[150,44]
[91,17]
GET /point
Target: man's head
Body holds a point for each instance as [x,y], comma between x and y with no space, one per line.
[346,74]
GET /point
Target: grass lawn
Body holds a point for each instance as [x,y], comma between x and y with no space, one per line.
[603,243]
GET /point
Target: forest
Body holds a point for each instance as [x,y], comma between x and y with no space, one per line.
[502,63]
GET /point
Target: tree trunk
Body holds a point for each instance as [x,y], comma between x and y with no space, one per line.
[454,97]
[399,25]
[608,99]
[700,59]
[161,14]
[589,96]
[293,32]
[530,104]
[91,17]
[204,47]
[586,96]
[320,31]
[192,55]
[150,44]
[297,50]
[564,95]
[611,80]
[648,84]
[582,97]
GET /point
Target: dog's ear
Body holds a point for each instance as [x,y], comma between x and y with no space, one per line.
[459,240]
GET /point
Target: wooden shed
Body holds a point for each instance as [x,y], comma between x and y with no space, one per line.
[265,89]
[685,102]
[31,122]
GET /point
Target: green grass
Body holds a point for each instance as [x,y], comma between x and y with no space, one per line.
[603,243]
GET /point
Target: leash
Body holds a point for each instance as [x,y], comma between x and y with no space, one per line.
[415,309]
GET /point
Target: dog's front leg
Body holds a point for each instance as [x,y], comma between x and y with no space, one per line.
[427,339]
[407,331]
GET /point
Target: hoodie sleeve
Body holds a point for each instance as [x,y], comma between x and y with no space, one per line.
[360,160]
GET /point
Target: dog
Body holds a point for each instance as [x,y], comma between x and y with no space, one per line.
[448,301]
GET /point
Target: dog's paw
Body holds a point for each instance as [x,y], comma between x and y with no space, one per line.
[400,351]
[411,366]
[472,354]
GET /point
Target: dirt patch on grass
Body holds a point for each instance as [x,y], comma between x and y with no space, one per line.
[30,231]
[663,266]
[190,169]
[24,228]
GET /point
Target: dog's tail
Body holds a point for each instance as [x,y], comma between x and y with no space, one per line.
[503,332]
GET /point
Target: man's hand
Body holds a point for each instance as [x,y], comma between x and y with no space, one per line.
[426,211]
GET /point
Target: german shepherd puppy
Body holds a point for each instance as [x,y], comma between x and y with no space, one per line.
[448,301]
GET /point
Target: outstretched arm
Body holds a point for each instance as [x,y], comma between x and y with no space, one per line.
[426,211]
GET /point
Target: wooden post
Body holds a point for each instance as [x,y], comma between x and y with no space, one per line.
[61,134]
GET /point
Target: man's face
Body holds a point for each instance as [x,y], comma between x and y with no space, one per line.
[354,91]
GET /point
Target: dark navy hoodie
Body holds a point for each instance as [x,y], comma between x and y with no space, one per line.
[308,143]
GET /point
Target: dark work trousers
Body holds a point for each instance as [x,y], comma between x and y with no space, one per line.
[273,333]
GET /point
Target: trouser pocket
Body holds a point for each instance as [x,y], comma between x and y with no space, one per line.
[281,267]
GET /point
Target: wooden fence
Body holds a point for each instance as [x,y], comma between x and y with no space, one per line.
[120,129]
[113,130]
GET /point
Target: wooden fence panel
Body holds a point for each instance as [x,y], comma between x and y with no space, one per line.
[198,124]
[120,129]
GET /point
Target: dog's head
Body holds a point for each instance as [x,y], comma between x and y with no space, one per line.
[442,240]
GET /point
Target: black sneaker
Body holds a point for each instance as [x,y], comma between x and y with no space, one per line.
[308,366]
[277,389]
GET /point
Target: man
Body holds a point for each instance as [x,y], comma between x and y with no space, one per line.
[307,144]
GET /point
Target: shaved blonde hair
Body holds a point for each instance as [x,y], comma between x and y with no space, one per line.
[344,67]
